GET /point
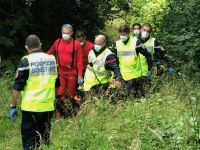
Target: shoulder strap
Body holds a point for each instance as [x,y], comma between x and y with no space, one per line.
[96,75]
[57,52]
[72,54]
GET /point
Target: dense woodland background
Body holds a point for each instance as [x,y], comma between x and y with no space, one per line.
[175,23]
[167,119]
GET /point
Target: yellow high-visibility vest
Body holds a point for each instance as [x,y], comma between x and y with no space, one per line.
[97,74]
[128,60]
[150,47]
[39,93]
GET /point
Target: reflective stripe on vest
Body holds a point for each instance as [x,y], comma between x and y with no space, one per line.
[39,93]
[150,47]
[97,73]
[129,61]
[33,106]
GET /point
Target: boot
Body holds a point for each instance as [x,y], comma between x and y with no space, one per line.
[59,107]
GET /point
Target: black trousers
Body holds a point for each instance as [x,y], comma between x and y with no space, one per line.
[133,88]
[97,91]
[35,129]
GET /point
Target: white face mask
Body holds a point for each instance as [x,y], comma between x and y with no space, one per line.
[81,43]
[145,34]
[123,37]
[66,36]
[136,32]
[97,47]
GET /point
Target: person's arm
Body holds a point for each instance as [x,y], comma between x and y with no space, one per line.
[160,53]
[113,65]
[20,80]
[79,60]
[22,74]
[113,48]
[140,48]
[57,84]
[15,97]
[53,48]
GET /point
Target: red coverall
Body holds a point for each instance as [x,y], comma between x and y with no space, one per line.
[68,69]
[85,50]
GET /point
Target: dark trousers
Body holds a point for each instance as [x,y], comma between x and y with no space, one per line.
[98,91]
[133,88]
[35,129]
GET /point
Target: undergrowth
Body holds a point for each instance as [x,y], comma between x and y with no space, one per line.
[168,119]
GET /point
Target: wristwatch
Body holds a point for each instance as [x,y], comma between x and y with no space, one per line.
[11,106]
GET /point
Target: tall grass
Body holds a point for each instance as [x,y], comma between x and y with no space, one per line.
[168,118]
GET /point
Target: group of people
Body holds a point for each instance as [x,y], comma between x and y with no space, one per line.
[45,81]
[128,62]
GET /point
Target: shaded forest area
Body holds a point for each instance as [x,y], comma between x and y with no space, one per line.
[175,24]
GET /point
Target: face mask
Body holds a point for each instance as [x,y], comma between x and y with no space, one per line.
[81,43]
[66,36]
[136,32]
[97,47]
[123,37]
[145,34]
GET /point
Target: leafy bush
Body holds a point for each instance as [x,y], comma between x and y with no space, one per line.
[168,118]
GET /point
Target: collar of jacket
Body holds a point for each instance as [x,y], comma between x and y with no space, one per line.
[125,42]
[36,51]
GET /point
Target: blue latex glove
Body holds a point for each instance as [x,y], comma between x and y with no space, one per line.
[171,70]
[157,63]
[148,74]
[13,112]
[80,81]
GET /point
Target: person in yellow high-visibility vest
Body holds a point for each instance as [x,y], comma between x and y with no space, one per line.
[155,48]
[127,50]
[36,79]
[136,29]
[101,61]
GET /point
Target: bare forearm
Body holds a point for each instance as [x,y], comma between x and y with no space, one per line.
[15,97]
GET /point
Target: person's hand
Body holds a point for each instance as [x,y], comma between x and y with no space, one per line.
[117,83]
[148,74]
[80,81]
[157,63]
[13,112]
[171,70]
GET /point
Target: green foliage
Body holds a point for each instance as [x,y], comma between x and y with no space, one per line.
[13,33]
[45,19]
[168,119]
[111,33]
[147,11]
[9,131]
[175,24]
[179,31]
[29,2]
[6,65]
